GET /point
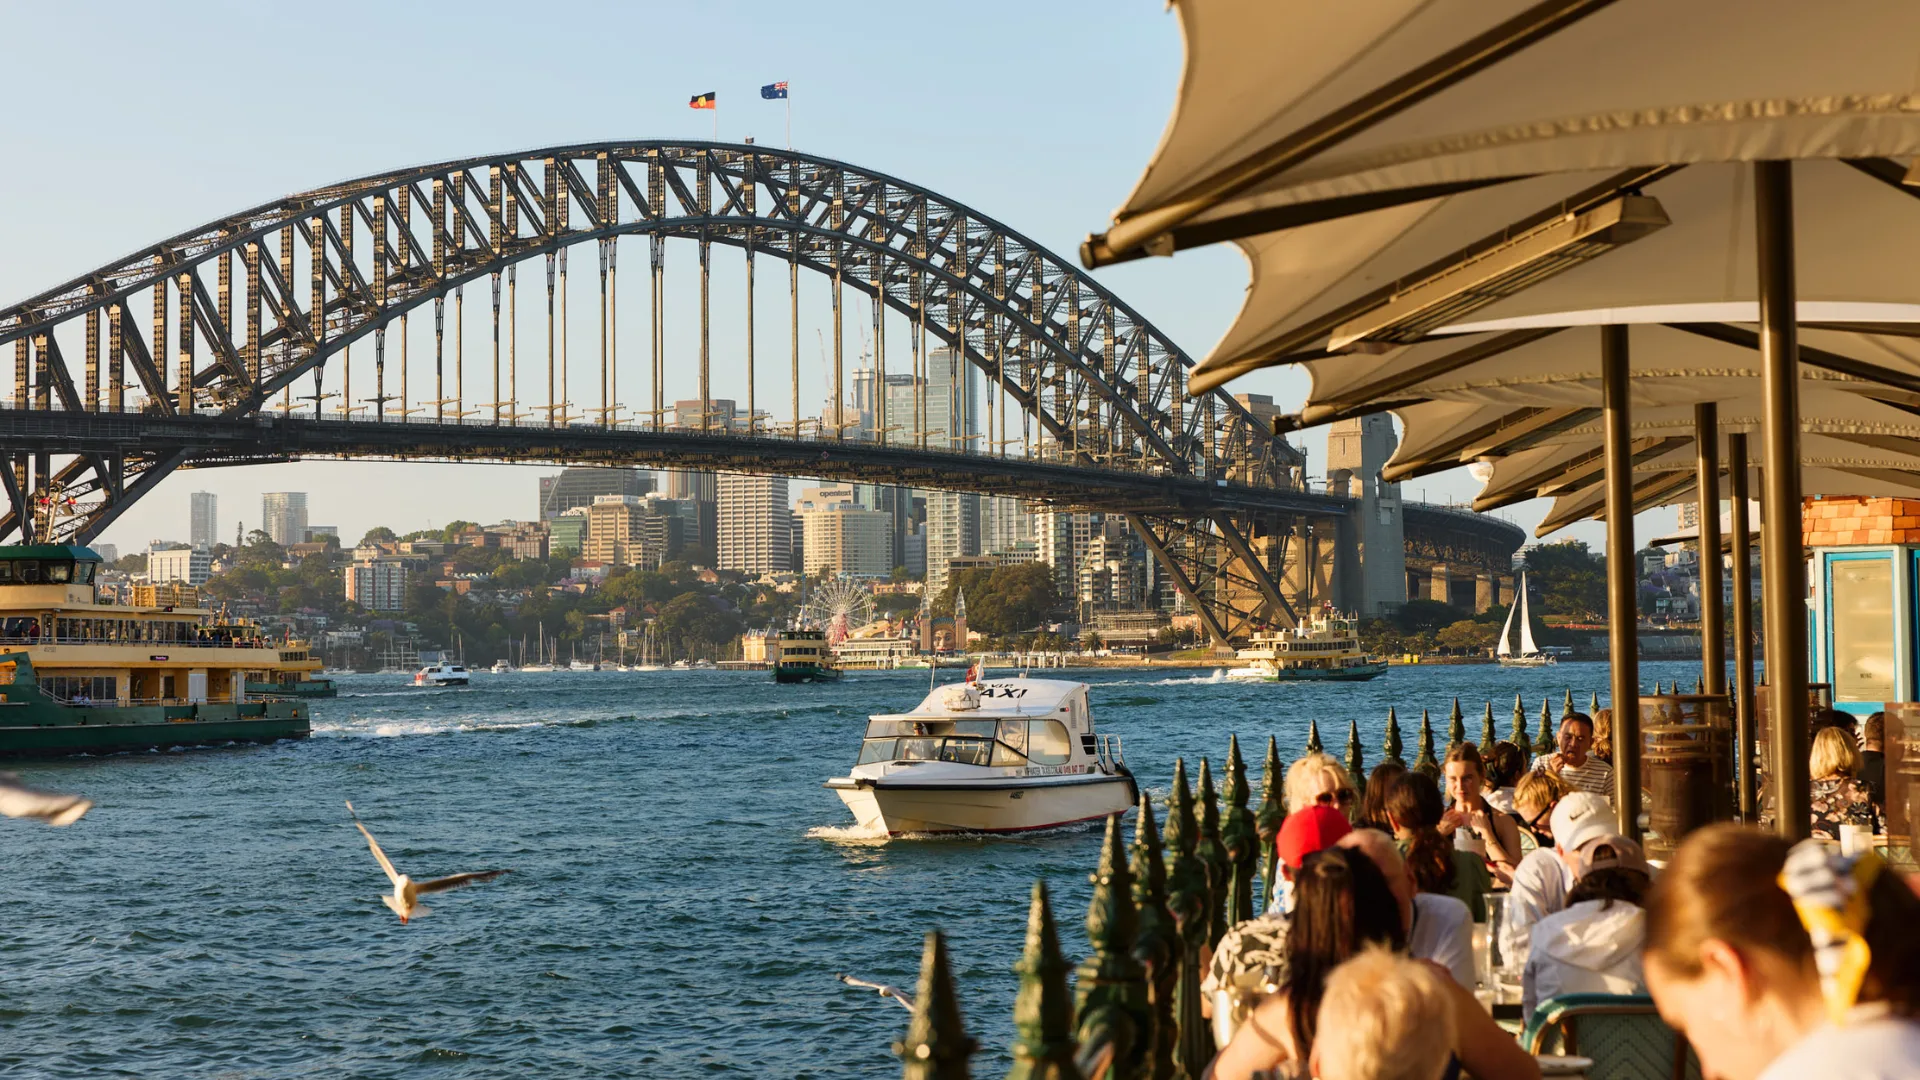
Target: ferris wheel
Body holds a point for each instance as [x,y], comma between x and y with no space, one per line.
[838,607]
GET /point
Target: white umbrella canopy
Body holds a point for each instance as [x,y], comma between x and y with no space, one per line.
[1290,110]
[1653,489]
[1647,245]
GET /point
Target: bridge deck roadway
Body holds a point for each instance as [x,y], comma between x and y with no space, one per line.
[214,440]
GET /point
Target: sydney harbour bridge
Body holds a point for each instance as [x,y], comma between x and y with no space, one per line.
[299,329]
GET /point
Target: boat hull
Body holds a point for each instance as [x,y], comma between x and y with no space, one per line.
[1526,661]
[1356,673]
[105,730]
[899,809]
[804,673]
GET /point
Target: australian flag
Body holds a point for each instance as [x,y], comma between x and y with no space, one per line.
[774,91]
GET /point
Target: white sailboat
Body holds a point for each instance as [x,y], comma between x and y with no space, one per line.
[1528,654]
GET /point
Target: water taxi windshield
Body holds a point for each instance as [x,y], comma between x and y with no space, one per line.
[969,742]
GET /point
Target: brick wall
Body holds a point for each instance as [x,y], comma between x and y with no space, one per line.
[1846,521]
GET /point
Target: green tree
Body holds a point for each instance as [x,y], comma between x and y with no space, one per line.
[379,534]
[1005,599]
[1468,635]
[1568,580]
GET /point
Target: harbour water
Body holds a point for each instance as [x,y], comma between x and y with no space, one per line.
[684,890]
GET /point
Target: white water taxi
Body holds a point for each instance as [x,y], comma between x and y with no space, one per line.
[1528,654]
[1325,647]
[442,674]
[998,756]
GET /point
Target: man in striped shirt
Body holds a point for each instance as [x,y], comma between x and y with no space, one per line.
[1580,769]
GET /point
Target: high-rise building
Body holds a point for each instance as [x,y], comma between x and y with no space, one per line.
[179,562]
[953,531]
[203,511]
[842,537]
[567,532]
[719,415]
[952,401]
[378,583]
[625,530]
[699,487]
[579,487]
[753,523]
[283,517]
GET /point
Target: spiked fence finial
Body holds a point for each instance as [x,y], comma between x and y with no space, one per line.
[1110,986]
[1520,738]
[1043,1043]
[1212,854]
[936,1046]
[1273,811]
[1425,762]
[1567,709]
[1356,758]
[1487,737]
[1156,942]
[1544,743]
[1313,737]
[1393,745]
[1456,727]
[1187,900]
[1240,835]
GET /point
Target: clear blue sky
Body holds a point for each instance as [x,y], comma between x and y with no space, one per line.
[131,122]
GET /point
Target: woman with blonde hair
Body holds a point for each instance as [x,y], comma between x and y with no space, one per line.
[1779,963]
[1533,802]
[1839,797]
[1318,778]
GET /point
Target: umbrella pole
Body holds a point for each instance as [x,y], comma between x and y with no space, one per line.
[1782,559]
[1742,538]
[1713,642]
[1623,609]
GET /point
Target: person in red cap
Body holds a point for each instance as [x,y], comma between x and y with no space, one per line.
[1252,954]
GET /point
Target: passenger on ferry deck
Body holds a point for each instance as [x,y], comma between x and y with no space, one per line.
[1344,905]
[1780,963]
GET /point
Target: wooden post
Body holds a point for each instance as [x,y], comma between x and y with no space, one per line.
[1623,612]
[1110,986]
[1156,942]
[1743,696]
[1713,642]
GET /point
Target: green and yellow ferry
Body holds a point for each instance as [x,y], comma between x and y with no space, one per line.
[802,656]
[293,675]
[79,675]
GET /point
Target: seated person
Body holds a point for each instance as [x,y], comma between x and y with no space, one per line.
[1873,758]
[1545,877]
[1373,804]
[1318,778]
[1575,762]
[1343,905]
[1593,946]
[1533,803]
[1384,1017]
[1414,808]
[1504,770]
[1439,928]
[1252,955]
[1494,833]
[1839,797]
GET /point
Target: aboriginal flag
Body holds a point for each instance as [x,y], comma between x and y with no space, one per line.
[701,101]
[774,91]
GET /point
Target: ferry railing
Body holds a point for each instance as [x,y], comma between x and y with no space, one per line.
[1109,752]
[183,643]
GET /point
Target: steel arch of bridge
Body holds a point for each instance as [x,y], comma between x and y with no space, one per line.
[1106,390]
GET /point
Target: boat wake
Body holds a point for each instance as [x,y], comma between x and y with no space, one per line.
[862,835]
[1219,676]
[848,834]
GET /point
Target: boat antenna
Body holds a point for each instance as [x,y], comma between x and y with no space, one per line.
[933,671]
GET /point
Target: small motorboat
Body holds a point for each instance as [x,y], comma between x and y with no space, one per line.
[582,665]
[442,674]
[501,667]
[994,756]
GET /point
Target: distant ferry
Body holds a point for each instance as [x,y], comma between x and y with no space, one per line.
[79,675]
[1325,648]
[802,656]
[294,676]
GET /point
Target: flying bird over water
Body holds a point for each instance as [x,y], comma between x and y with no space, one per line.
[19,800]
[905,999]
[405,899]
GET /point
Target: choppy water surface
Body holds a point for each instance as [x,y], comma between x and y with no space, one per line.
[684,888]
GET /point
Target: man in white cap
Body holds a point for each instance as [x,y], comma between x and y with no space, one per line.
[1543,879]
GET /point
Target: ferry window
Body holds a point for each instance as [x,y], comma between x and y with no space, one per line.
[1004,755]
[83,573]
[918,750]
[59,572]
[1014,734]
[30,572]
[1048,742]
[6,571]
[872,750]
[984,729]
[967,751]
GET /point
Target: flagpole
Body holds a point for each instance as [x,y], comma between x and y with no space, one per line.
[789,100]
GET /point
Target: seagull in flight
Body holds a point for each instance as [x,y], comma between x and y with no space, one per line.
[905,999]
[405,899]
[19,800]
